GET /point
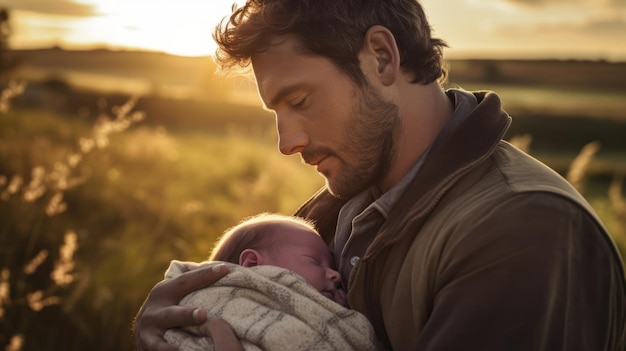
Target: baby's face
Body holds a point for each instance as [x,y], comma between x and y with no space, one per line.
[303,251]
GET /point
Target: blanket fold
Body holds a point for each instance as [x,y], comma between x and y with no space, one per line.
[271,308]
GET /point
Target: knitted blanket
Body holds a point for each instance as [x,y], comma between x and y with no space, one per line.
[271,308]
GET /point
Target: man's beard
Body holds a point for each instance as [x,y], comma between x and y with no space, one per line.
[369,143]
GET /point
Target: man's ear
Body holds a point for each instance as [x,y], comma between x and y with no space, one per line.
[250,258]
[380,49]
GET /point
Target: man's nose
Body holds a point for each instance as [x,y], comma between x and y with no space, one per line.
[291,136]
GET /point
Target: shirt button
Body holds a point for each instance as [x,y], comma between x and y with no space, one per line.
[354,260]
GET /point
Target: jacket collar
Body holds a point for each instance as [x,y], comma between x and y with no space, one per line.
[471,143]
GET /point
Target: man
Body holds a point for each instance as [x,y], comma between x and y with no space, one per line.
[449,238]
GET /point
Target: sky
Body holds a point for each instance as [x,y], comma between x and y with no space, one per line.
[564,29]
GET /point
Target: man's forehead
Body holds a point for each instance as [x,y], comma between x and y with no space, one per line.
[283,47]
[275,67]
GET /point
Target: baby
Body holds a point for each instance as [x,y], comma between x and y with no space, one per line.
[281,292]
[284,241]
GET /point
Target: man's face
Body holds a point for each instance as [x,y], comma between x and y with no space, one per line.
[346,132]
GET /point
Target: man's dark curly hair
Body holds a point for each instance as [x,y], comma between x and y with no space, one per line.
[334,29]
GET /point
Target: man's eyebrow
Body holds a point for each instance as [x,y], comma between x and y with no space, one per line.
[282,92]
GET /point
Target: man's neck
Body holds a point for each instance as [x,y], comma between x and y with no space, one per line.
[424,111]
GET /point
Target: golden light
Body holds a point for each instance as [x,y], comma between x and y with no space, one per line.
[181,27]
[184,27]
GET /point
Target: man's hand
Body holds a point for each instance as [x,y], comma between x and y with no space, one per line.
[224,339]
[160,310]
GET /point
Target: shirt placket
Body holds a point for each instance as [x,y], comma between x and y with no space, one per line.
[364,230]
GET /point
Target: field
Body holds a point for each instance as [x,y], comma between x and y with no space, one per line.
[112,164]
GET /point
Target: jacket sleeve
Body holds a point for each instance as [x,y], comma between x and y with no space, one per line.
[535,273]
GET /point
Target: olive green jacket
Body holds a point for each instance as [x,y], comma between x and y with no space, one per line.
[488,249]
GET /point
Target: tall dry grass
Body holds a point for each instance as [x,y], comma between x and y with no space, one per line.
[45,190]
[578,177]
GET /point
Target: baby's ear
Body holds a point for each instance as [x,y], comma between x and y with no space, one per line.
[250,258]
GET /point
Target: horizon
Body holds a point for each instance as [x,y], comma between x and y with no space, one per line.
[468,55]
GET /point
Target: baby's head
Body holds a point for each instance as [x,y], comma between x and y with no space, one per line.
[284,241]
[260,231]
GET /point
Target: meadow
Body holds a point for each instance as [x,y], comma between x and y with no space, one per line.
[99,190]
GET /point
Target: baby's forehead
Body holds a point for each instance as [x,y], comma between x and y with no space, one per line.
[290,227]
[288,232]
[294,236]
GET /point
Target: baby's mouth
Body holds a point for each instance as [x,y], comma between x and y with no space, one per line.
[329,294]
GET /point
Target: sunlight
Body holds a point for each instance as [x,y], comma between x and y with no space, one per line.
[183,27]
[35,30]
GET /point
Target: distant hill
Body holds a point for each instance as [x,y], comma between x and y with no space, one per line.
[178,69]
[130,62]
[122,71]
[573,74]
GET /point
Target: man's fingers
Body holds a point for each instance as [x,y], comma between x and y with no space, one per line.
[174,316]
[176,288]
[155,342]
[224,339]
[160,311]
[151,324]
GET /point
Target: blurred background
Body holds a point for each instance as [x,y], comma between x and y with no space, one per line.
[122,149]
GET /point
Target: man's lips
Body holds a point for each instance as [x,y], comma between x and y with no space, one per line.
[318,163]
[318,158]
[313,160]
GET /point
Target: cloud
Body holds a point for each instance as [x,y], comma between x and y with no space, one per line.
[541,3]
[52,7]
[544,3]
[604,26]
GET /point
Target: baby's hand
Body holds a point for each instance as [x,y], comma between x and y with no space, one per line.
[341,298]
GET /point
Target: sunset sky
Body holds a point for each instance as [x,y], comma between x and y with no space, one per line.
[582,29]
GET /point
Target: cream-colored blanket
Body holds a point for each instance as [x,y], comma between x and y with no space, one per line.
[271,308]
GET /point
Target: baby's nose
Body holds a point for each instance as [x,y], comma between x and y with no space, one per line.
[333,276]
